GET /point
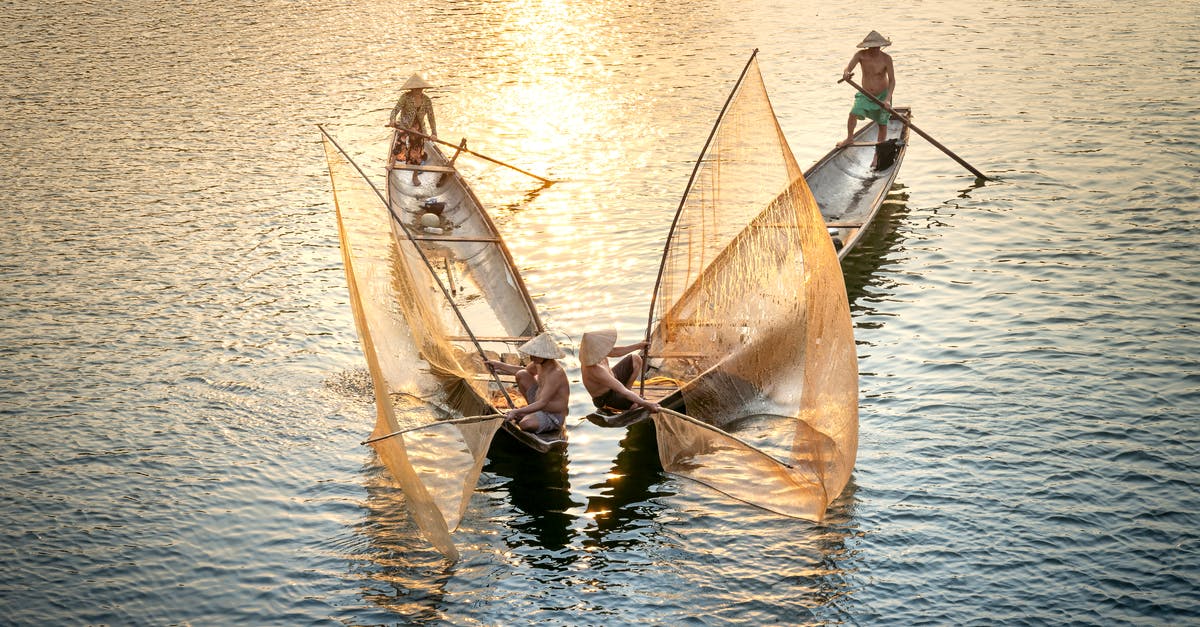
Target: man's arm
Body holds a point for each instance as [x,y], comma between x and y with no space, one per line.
[850,68]
[621,351]
[432,121]
[396,111]
[891,77]
[501,366]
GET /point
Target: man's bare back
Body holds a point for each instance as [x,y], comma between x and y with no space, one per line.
[553,387]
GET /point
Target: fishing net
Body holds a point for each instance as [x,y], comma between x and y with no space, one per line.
[421,378]
[751,313]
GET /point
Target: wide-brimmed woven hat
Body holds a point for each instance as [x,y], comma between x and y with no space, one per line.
[415,82]
[542,346]
[596,345]
[875,40]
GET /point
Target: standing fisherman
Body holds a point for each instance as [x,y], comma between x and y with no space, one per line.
[879,78]
[409,114]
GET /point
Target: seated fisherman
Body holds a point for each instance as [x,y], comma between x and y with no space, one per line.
[543,384]
[609,387]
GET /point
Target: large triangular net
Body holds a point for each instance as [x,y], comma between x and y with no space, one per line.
[751,317]
[421,380]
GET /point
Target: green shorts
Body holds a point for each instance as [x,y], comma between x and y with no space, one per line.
[864,108]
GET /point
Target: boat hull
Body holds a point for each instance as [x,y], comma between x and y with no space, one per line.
[848,190]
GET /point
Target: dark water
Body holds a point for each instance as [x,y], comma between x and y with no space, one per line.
[183,393]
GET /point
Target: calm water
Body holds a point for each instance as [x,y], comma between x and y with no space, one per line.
[184,396]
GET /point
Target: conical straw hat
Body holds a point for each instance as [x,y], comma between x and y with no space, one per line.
[542,346]
[415,82]
[875,40]
[596,345]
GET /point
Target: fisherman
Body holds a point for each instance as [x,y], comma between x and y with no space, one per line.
[409,114]
[543,383]
[609,387]
[878,78]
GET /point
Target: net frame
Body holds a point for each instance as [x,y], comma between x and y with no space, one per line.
[749,309]
[435,456]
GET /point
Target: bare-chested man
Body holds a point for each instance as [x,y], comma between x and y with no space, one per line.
[609,387]
[878,78]
[543,384]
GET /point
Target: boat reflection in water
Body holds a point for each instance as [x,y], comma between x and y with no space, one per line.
[863,267]
[538,487]
[625,511]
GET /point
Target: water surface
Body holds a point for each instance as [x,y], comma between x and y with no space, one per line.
[184,396]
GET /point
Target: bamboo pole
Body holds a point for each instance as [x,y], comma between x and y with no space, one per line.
[455,421]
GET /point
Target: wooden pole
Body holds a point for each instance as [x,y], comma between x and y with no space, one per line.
[463,147]
[454,421]
[918,131]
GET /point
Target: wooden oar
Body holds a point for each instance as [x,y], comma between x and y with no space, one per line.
[463,147]
[909,123]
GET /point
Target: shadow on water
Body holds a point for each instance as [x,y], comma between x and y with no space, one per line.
[526,199]
[538,488]
[861,268]
[624,512]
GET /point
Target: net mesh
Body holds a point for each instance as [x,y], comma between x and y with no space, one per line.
[751,313]
[421,379]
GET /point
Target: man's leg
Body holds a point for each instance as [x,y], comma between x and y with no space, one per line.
[851,122]
[527,384]
[880,137]
[628,369]
[531,423]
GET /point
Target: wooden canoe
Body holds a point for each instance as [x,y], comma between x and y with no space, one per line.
[485,301]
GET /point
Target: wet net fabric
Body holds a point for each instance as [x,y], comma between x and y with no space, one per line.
[751,313]
[418,375]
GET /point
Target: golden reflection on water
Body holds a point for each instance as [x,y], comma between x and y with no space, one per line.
[550,89]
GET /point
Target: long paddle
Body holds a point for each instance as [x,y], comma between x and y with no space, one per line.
[463,148]
[909,123]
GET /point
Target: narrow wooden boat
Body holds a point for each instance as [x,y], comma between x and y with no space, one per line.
[483,304]
[850,191]
[434,293]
